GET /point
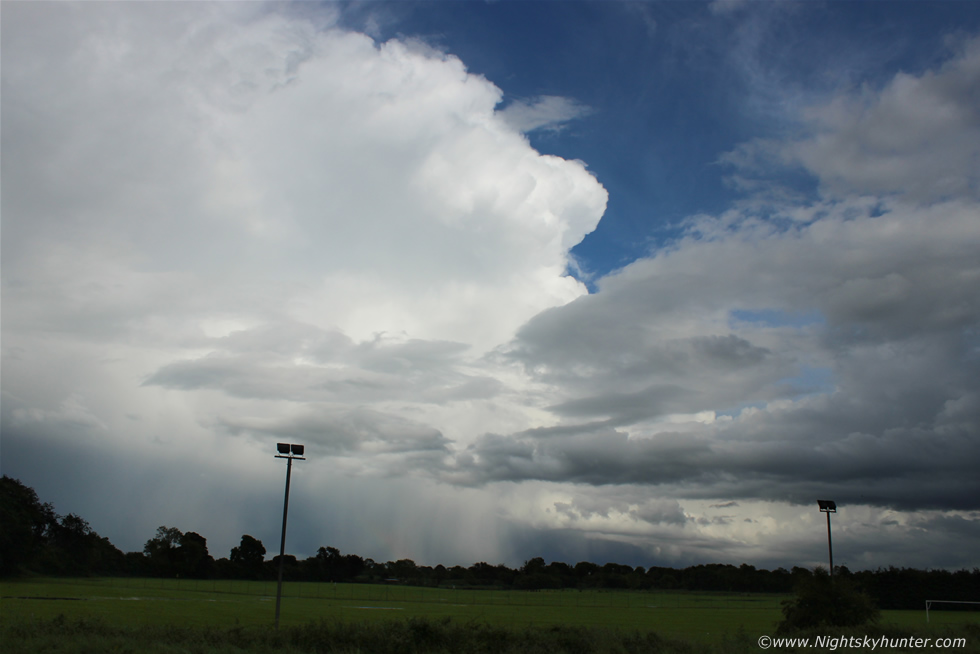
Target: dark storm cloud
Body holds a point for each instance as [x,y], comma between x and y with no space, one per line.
[570,547]
[127,490]
[890,286]
[785,456]
[895,424]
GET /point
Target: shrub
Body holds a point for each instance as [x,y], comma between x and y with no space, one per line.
[823,601]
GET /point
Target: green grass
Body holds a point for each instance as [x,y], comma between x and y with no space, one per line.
[422,636]
[159,604]
[698,616]
[414,636]
[937,619]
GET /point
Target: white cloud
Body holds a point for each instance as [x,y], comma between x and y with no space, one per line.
[284,170]
[549,112]
[226,224]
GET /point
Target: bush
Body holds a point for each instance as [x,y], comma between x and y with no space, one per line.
[823,601]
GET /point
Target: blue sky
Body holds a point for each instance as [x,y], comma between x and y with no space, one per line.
[609,281]
[668,87]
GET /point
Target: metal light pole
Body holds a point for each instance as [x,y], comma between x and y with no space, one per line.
[828,507]
[289,452]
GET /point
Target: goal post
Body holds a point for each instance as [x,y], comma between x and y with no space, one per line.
[929,604]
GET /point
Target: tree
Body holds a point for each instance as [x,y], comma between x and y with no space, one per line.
[585,573]
[823,601]
[352,567]
[482,573]
[248,557]
[25,523]
[290,567]
[33,537]
[161,551]
[533,566]
[533,575]
[327,564]
[403,569]
[193,559]
[73,544]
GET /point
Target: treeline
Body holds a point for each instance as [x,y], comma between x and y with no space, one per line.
[33,538]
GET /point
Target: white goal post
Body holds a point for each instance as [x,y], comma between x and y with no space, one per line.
[929,604]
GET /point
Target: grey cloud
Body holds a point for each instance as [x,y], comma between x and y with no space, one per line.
[918,137]
[894,423]
[605,341]
[649,402]
[952,525]
[789,455]
[660,512]
[600,457]
[788,540]
[608,502]
[870,546]
[413,355]
[572,546]
[297,362]
[715,520]
[729,351]
[126,492]
[343,432]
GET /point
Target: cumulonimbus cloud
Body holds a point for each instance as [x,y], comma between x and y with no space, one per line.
[228,224]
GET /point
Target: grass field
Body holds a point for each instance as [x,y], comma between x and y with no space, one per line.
[697,616]
[694,617]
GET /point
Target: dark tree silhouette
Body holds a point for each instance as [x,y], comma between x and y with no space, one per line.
[26,522]
[192,556]
[248,557]
[161,551]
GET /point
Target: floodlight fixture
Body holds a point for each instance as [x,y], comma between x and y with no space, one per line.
[828,507]
[288,451]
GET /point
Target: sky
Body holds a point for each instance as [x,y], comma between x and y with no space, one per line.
[609,281]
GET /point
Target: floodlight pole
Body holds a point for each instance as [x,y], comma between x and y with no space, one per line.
[828,507]
[830,546]
[290,451]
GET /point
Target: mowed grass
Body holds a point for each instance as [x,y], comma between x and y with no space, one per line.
[696,617]
[134,602]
